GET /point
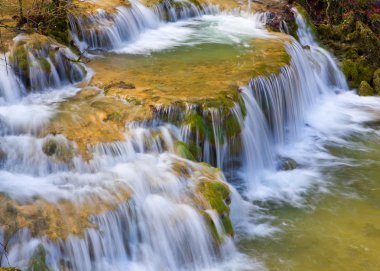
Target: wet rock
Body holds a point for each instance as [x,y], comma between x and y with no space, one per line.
[3,157]
[121,85]
[365,89]
[286,163]
[60,150]
[217,196]
[41,62]
[281,18]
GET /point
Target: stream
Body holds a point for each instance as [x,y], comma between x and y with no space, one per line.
[133,205]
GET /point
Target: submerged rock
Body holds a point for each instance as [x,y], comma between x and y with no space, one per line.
[59,149]
[90,118]
[198,88]
[286,163]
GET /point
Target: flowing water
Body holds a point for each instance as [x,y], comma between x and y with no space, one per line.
[132,206]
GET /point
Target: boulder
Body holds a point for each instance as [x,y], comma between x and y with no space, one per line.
[365,89]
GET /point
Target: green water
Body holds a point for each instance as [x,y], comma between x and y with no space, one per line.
[203,71]
[336,231]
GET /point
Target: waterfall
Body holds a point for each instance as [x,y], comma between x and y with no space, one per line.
[279,103]
[10,87]
[111,31]
[136,204]
[41,63]
[155,229]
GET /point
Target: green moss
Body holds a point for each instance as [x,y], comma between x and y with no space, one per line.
[38,260]
[242,106]
[365,89]
[376,81]
[195,150]
[232,126]
[375,22]
[216,135]
[217,194]
[328,31]
[357,71]
[196,123]
[115,117]
[183,150]
[368,42]
[45,65]
[19,59]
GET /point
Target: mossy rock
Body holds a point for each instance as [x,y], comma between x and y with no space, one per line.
[356,71]
[376,81]
[41,48]
[196,123]
[9,269]
[286,164]
[115,117]
[60,150]
[365,89]
[182,149]
[45,65]
[217,195]
[38,260]
[232,126]
[375,22]
[368,41]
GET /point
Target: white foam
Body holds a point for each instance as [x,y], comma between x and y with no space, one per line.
[222,28]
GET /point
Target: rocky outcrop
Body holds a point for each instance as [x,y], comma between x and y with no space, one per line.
[41,62]
[351,30]
[365,89]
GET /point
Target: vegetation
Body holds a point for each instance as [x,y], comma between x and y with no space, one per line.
[47,17]
[351,30]
[217,195]
[38,260]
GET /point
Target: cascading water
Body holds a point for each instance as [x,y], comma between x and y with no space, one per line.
[40,63]
[131,207]
[135,204]
[284,100]
[10,88]
[111,31]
